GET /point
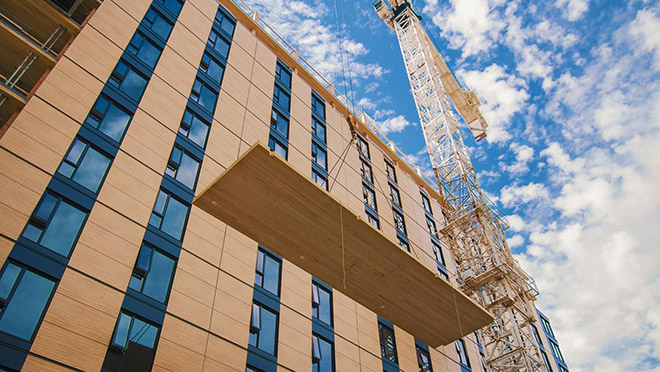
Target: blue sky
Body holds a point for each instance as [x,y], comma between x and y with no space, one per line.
[571,90]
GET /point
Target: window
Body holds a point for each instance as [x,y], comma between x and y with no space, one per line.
[24,295]
[219,44]
[84,165]
[281,98]
[277,146]
[169,215]
[363,147]
[322,304]
[462,353]
[128,80]
[252,369]
[226,24]
[212,68]
[55,224]
[536,335]
[369,196]
[546,327]
[322,355]
[318,107]
[373,220]
[146,51]
[423,360]
[195,128]
[387,343]
[546,361]
[132,345]
[319,179]
[318,129]
[394,195]
[319,156]
[279,123]
[157,23]
[109,118]
[268,272]
[391,172]
[365,170]
[427,203]
[555,351]
[174,6]
[430,224]
[438,253]
[263,329]
[204,95]
[183,167]
[283,75]
[403,243]
[152,274]
[399,222]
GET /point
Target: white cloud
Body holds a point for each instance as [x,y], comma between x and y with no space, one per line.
[393,124]
[515,241]
[512,196]
[524,155]
[573,9]
[502,95]
[646,27]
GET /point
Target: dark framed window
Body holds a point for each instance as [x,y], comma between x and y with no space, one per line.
[169,215]
[318,107]
[157,23]
[133,344]
[219,44]
[365,170]
[278,147]
[430,224]
[322,354]
[426,203]
[24,295]
[85,165]
[373,220]
[283,75]
[318,129]
[394,195]
[282,98]
[537,335]
[263,329]
[195,128]
[363,147]
[279,123]
[320,179]
[546,361]
[462,352]
[268,272]
[391,172]
[109,118]
[546,327]
[403,243]
[387,343]
[174,6]
[203,94]
[55,224]
[226,24]
[556,351]
[399,222]
[212,67]
[153,273]
[369,196]
[319,156]
[144,49]
[423,360]
[128,80]
[183,167]
[322,304]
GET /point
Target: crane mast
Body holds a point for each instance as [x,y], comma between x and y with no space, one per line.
[473,230]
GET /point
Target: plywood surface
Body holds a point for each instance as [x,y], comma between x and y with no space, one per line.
[265,198]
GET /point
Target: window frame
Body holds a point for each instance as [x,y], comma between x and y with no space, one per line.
[162,214]
[256,329]
[383,343]
[262,252]
[143,273]
[88,145]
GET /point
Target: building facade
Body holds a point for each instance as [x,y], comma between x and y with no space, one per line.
[131,108]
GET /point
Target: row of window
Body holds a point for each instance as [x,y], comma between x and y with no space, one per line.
[37,262]
[397,208]
[136,333]
[433,232]
[368,190]
[319,145]
[278,140]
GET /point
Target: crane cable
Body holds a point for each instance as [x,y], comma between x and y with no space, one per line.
[341,55]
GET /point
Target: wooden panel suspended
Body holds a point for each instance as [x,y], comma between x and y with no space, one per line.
[265,198]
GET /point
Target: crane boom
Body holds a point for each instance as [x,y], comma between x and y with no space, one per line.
[473,230]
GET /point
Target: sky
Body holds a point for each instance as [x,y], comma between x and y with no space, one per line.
[571,90]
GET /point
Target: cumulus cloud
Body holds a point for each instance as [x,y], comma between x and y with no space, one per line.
[573,9]
[646,28]
[394,124]
[523,156]
[514,195]
[502,95]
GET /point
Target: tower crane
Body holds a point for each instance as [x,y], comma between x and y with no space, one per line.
[473,229]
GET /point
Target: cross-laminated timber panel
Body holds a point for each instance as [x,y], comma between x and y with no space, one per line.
[265,198]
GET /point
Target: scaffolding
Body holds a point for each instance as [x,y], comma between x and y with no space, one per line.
[473,229]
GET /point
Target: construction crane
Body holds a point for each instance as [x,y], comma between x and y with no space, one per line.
[473,229]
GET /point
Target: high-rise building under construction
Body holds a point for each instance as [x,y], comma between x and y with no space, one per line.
[181,191]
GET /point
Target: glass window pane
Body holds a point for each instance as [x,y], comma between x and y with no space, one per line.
[174,218]
[198,131]
[326,363]
[114,122]
[24,310]
[157,282]
[268,332]
[325,308]
[160,25]
[142,333]
[227,26]
[220,45]
[272,275]
[121,333]
[187,172]
[8,279]
[46,207]
[91,170]
[62,230]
